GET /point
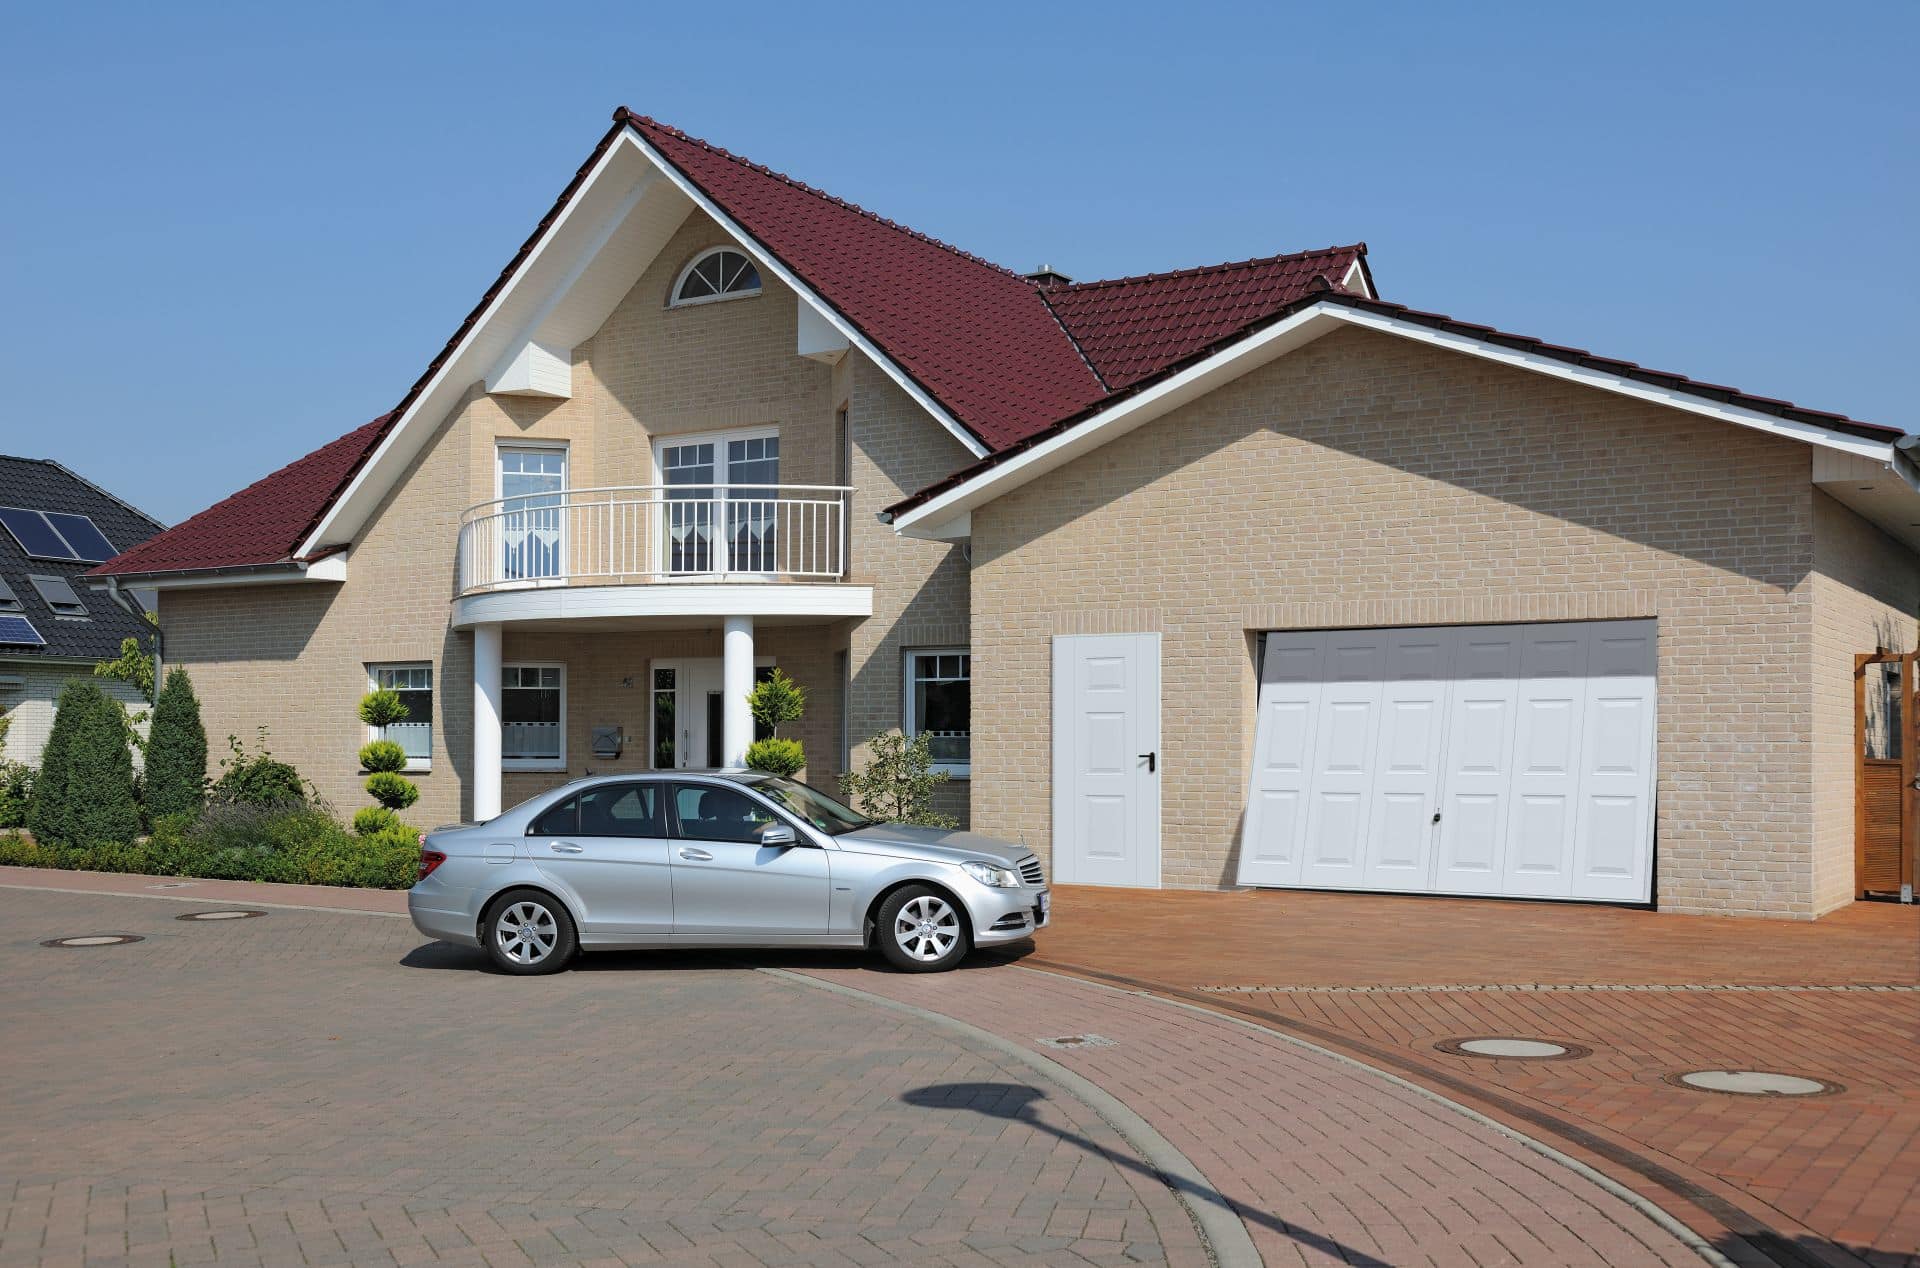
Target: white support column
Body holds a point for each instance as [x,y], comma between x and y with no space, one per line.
[736,680]
[487,671]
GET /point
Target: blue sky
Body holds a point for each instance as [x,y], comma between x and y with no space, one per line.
[228,235]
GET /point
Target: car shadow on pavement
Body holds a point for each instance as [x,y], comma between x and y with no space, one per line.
[448,955]
[1014,1102]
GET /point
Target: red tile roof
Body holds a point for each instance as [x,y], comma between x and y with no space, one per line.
[262,523]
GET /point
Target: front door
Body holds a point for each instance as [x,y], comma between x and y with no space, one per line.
[609,847]
[1106,759]
[688,702]
[1885,734]
[726,884]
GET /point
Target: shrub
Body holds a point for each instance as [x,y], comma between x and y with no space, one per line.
[898,784]
[370,820]
[84,795]
[257,779]
[48,814]
[16,792]
[392,791]
[776,700]
[776,756]
[382,755]
[382,707]
[176,767]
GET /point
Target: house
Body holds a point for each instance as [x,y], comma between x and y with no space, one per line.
[54,527]
[1234,575]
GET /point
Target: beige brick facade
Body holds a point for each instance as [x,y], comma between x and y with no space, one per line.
[1367,480]
[294,658]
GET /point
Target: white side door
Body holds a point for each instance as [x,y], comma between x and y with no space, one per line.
[1275,828]
[1478,774]
[1402,821]
[1106,759]
[1551,707]
[1353,674]
[1613,834]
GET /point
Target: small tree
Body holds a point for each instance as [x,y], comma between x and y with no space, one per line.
[385,760]
[176,770]
[898,784]
[134,665]
[99,790]
[48,814]
[776,700]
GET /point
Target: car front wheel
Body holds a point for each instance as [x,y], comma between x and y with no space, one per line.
[528,932]
[921,930]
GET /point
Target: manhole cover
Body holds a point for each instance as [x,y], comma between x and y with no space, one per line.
[1067,1042]
[1501,1047]
[220,915]
[94,940]
[1753,1083]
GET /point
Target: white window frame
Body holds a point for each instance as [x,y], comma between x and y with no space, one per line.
[909,725]
[414,764]
[537,763]
[503,445]
[719,441]
[680,279]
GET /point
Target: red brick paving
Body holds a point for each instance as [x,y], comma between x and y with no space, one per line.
[1841,1173]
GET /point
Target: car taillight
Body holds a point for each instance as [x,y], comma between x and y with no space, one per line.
[429,859]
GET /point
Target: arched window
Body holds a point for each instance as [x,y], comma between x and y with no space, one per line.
[721,273]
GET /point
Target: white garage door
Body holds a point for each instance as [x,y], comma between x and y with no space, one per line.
[1479,759]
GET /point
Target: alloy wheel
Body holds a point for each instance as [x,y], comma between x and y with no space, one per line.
[526,932]
[926,928]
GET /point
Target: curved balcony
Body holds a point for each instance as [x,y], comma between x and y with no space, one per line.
[660,550]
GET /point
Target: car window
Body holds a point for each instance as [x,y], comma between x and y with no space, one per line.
[621,810]
[710,813]
[561,820]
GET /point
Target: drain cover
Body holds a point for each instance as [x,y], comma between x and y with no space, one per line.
[1509,1049]
[1068,1042]
[94,940]
[1753,1083]
[220,915]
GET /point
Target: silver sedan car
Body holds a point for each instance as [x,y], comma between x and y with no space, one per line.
[717,859]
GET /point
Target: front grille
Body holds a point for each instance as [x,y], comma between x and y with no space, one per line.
[1030,872]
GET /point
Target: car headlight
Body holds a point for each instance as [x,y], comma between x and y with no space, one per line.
[988,874]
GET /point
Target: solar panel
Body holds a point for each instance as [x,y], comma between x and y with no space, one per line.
[88,542]
[35,535]
[19,630]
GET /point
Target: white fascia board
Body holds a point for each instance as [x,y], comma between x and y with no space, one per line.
[766,260]
[701,601]
[1356,279]
[942,518]
[448,382]
[1606,381]
[333,568]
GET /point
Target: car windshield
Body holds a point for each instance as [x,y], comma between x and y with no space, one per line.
[818,809]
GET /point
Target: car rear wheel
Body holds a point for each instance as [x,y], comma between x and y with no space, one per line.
[528,932]
[921,930]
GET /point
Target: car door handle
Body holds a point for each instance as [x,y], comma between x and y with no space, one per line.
[696,856]
[559,848]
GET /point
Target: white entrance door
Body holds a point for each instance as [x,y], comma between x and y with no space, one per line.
[1106,759]
[1514,760]
[688,701]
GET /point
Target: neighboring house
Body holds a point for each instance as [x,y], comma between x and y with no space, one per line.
[1234,574]
[55,622]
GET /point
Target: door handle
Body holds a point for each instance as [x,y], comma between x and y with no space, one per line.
[1152,759]
[560,848]
[696,856]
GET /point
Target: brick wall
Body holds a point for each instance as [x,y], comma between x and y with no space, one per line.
[1369,480]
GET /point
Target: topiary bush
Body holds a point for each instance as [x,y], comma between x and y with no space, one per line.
[382,707]
[369,820]
[392,791]
[382,755]
[776,756]
[256,779]
[176,766]
[49,816]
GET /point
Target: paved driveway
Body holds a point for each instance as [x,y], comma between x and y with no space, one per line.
[329,1088]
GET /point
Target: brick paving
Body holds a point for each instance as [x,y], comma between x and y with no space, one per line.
[327,1088]
[1838,1177]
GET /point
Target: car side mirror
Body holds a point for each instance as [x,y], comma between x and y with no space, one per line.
[779,835]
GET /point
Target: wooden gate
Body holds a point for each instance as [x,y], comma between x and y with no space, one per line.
[1886,807]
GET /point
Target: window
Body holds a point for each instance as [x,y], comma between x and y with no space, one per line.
[663,715]
[939,705]
[533,717]
[58,595]
[611,810]
[414,684]
[721,273]
[532,517]
[719,499]
[56,535]
[710,813]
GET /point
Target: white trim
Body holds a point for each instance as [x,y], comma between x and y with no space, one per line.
[939,517]
[909,724]
[415,765]
[765,259]
[1356,279]
[534,763]
[332,568]
[717,439]
[680,279]
[692,601]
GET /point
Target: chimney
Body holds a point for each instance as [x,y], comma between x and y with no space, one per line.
[1045,276]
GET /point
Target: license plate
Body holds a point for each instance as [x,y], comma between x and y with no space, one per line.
[1045,907]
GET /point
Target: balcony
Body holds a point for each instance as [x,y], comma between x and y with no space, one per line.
[658,551]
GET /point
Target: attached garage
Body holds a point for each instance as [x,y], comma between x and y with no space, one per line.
[1511,760]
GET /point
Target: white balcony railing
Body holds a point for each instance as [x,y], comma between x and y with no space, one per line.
[656,533]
